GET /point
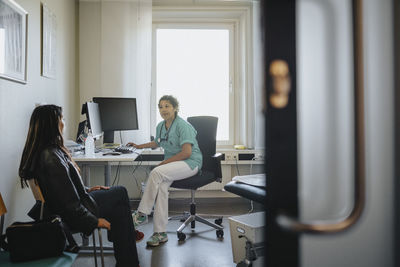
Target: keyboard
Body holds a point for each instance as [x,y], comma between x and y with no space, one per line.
[125,149]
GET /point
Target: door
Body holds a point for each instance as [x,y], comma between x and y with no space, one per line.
[329,133]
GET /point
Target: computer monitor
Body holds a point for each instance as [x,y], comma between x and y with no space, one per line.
[117,114]
[93,118]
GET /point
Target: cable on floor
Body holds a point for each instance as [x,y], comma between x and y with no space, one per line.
[117,174]
[134,170]
[251,172]
[237,167]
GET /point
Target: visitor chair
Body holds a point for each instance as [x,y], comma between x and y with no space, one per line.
[206,127]
[65,260]
[3,211]
[84,248]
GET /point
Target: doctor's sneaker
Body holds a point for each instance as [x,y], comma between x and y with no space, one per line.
[139,218]
[157,238]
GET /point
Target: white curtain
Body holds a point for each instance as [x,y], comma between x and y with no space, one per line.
[251,121]
[257,107]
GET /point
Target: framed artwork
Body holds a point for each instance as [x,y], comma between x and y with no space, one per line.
[13,41]
[48,42]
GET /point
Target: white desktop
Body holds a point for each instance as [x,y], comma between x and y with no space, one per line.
[101,158]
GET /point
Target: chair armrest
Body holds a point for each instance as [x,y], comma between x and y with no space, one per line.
[217,157]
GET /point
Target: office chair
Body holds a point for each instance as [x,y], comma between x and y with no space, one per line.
[206,128]
[37,193]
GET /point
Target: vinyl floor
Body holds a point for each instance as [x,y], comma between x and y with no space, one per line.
[201,248]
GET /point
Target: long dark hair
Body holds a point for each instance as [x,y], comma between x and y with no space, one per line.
[43,131]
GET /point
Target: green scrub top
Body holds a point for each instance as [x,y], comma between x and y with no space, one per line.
[179,133]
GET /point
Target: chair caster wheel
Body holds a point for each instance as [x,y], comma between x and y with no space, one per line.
[220,233]
[218,221]
[181,236]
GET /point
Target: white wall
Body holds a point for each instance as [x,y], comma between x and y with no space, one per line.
[325,129]
[18,100]
[115,56]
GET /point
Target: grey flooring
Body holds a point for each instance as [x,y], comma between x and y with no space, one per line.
[201,247]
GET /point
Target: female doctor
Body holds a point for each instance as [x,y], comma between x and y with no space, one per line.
[182,159]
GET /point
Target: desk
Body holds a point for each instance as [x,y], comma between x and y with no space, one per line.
[106,161]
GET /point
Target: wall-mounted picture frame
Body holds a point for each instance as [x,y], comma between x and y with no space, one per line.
[13,41]
[48,42]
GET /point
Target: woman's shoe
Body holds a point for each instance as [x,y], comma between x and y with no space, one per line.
[139,236]
[139,218]
[157,238]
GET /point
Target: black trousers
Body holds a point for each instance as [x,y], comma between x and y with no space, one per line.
[114,207]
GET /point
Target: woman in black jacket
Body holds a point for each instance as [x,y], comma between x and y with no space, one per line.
[46,160]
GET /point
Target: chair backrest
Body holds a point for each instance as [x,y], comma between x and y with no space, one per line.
[206,127]
[3,210]
[37,194]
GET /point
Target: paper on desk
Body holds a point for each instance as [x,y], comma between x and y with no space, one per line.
[252,179]
[72,146]
[69,142]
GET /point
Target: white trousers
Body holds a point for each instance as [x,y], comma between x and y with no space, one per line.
[156,191]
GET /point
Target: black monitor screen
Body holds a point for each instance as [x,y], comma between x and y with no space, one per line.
[93,116]
[117,113]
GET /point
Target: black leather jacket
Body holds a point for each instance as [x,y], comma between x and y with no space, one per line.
[64,192]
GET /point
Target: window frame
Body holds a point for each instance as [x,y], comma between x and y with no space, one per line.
[241,118]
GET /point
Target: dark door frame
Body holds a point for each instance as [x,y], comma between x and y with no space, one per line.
[279,32]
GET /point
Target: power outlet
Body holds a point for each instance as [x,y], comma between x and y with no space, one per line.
[231,156]
[259,156]
[235,156]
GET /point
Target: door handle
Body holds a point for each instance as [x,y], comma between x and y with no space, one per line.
[324,227]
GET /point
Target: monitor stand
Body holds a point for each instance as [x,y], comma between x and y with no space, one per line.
[108,137]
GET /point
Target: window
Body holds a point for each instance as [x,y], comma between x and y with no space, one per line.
[195,65]
[207,56]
